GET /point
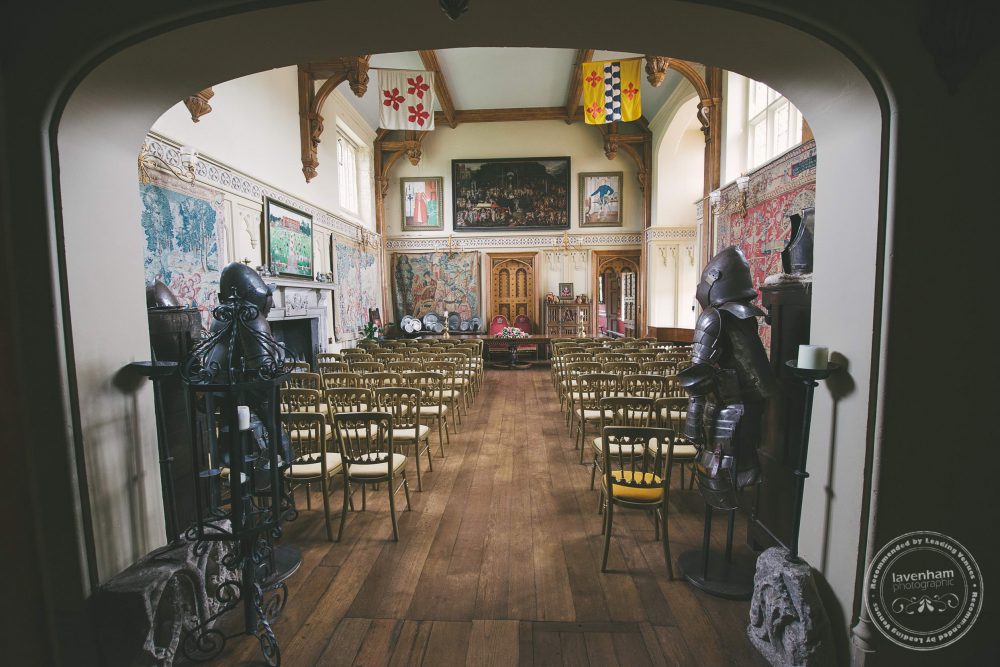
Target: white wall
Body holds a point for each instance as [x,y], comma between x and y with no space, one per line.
[254,127]
[582,143]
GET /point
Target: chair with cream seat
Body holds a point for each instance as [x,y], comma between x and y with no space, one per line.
[404,366]
[591,388]
[620,411]
[646,384]
[315,458]
[671,412]
[607,357]
[303,380]
[347,399]
[302,400]
[432,405]
[383,379]
[302,366]
[327,357]
[620,368]
[659,367]
[452,392]
[569,386]
[384,357]
[634,482]
[331,380]
[403,403]
[367,366]
[463,381]
[369,456]
[325,367]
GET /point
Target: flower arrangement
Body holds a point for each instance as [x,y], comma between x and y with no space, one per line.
[371,331]
[511,332]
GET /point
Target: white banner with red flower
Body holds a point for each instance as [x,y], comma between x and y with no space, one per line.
[406,99]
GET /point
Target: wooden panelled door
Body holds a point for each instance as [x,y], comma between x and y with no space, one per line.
[618,290]
[512,287]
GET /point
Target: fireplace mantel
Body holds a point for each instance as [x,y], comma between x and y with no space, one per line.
[303,299]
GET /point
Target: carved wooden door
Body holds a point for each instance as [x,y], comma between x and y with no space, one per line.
[629,284]
[616,279]
[513,287]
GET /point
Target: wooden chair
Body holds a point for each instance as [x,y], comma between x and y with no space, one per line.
[633,482]
[331,380]
[348,399]
[659,367]
[333,367]
[366,367]
[404,366]
[301,400]
[463,381]
[620,368]
[605,357]
[451,391]
[403,403]
[432,407]
[646,384]
[620,411]
[326,357]
[315,458]
[369,456]
[303,380]
[523,323]
[498,324]
[671,412]
[385,358]
[569,387]
[383,379]
[591,388]
[300,366]
[353,352]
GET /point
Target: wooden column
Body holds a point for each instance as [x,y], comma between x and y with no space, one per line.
[711,112]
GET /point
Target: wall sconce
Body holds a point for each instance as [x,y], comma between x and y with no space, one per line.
[714,197]
[188,160]
[690,253]
[743,185]
[366,239]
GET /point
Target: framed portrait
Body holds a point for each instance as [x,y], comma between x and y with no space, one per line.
[421,203]
[502,194]
[601,199]
[289,239]
[565,290]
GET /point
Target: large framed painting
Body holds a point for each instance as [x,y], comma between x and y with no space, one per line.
[601,199]
[421,203]
[499,194]
[289,239]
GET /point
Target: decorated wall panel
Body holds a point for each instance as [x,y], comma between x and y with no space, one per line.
[185,237]
[778,189]
[357,272]
[433,282]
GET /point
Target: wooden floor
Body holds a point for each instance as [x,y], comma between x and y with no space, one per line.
[498,563]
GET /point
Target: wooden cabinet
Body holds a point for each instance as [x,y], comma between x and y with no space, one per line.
[788,307]
[567,319]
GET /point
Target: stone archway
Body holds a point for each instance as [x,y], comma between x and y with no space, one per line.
[108,113]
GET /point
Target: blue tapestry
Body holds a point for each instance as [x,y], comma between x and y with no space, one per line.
[184,227]
[434,282]
[358,289]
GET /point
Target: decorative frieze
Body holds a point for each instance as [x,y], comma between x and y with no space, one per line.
[670,233]
[526,241]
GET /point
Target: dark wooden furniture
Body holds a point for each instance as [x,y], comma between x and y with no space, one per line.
[567,319]
[671,334]
[788,307]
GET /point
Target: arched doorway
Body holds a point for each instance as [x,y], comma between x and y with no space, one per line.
[96,172]
[617,288]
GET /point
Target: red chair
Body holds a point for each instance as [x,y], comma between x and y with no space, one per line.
[524,324]
[497,324]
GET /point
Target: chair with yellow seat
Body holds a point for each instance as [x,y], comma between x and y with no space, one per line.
[369,456]
[634,482]
[403,403]
[315,458]
[620,411]
[671,412]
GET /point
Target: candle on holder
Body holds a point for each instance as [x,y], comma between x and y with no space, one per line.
[244,415]
[813,357]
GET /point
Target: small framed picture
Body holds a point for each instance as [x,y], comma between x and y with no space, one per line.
[565,290]
[421,205]
[601,199]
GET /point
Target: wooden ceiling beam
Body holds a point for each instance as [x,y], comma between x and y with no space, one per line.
[430,61]
[576,83]
[504,115]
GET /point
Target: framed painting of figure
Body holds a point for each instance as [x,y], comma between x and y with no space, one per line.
[289,239]
[421,204]
[502,194]
[601,199]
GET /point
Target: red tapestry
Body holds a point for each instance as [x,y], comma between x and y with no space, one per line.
[780,188]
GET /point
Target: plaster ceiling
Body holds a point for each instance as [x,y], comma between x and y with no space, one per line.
[503,78]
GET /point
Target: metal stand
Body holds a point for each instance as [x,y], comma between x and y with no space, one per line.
[809,377]
[721,578]
[157,371]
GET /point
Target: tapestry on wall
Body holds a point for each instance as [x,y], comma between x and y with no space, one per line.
[433,282]
[776,191]
[357,289]
[184,226]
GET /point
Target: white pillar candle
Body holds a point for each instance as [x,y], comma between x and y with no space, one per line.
[813,357]
[244,413]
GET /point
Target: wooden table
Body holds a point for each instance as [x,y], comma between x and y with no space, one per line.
[543,343]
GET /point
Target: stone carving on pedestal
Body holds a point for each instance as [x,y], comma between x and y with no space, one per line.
[788,623]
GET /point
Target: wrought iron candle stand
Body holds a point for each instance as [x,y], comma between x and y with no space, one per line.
[809,377]
[232,375]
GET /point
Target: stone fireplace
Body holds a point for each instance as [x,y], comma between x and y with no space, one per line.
[301,316]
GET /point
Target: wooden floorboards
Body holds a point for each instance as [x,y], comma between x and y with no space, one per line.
[498,563]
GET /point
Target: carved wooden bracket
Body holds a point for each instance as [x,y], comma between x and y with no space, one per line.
[388,151]
[198,104]
[354,70]
[656,69]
